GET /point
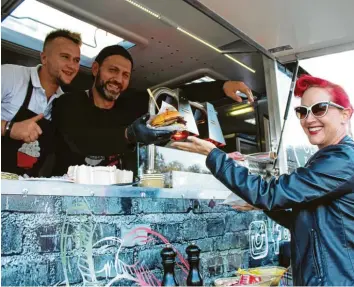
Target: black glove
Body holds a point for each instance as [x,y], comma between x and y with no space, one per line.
[139,132]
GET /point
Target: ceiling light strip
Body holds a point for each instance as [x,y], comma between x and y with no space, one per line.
[198,39]
[191,35]
[143,8]
[216,49]
[241,111]
[240,63]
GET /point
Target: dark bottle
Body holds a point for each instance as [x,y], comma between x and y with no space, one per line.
[168,261]
[194,278]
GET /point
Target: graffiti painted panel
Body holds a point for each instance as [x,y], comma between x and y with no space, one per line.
[89,241]
[258,239]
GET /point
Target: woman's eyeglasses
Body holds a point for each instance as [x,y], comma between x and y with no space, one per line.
[318,110]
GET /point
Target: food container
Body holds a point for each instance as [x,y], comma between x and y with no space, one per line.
[275,273]
[239,281]
[9,176]
[180,135]
[123,176]
[102,175]
[153,180]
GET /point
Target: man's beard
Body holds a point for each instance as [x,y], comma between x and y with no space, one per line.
[102,89]
[60,82]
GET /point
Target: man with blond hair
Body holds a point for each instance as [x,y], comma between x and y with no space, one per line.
[27,94]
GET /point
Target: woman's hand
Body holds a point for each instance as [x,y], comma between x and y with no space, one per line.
[195,145]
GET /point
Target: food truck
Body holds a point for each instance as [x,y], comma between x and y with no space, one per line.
[73,230]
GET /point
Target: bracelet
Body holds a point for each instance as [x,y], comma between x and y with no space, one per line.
[8,128]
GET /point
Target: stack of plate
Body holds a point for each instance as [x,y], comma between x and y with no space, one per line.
[153,180]
[103,175]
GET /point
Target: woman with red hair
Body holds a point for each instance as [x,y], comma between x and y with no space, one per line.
[316,202]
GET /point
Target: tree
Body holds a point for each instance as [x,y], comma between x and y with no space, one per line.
[160,164]
[195,168]
[175,165]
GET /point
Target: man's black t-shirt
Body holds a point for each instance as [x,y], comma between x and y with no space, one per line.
[86,134]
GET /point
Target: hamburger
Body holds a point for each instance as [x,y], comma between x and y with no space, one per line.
[168,118]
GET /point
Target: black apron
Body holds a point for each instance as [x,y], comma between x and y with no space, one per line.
[23,162]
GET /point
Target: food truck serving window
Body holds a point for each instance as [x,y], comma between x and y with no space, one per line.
[31,21]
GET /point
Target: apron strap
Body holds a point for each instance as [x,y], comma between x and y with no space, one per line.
[28,94]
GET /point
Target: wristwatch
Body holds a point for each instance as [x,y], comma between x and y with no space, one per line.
[8,128]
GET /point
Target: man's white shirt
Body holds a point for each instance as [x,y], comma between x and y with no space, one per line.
[14,83]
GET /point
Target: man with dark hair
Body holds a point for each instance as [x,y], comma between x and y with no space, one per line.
[27,94]
[99,126]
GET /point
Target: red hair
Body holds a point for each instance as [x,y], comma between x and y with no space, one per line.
[339,96]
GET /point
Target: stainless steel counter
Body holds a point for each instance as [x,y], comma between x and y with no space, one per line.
[57,188]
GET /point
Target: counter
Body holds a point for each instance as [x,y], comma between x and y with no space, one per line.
[69,189]
[64,234]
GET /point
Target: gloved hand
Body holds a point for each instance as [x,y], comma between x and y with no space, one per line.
[139,132]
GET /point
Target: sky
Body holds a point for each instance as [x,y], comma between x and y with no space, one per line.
[337,68]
